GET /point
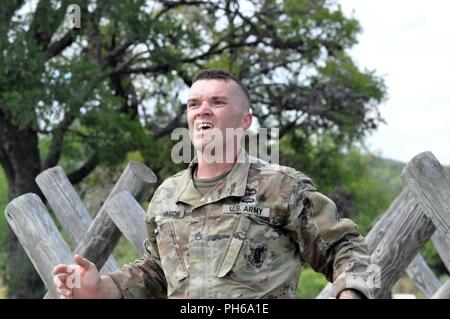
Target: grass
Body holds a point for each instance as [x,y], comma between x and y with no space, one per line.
[3,291]
[310,284]
[406,286]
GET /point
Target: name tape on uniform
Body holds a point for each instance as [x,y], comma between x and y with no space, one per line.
[170,214]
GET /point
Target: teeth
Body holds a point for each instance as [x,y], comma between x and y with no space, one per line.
[204,125]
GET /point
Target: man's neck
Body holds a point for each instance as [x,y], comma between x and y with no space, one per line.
[210,169]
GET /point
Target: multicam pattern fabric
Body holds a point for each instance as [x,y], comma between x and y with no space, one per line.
[247,238]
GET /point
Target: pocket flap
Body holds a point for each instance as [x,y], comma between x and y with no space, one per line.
[234,245]
[172,259]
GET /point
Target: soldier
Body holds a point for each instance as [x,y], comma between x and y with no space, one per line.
[241,228]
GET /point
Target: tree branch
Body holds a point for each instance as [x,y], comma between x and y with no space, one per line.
[127,93]
[79,174]
[172,4]
[154,69]
[57,143]
[57,47]
[118,52]
[212,51]
[45,22]
[173,124]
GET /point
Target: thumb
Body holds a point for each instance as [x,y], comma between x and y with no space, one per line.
[83,262]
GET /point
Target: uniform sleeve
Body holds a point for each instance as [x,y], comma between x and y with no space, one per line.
[329,244]
[143,278]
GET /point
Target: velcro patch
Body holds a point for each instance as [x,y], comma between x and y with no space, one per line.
[246,209]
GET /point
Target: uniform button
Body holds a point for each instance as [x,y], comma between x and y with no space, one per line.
[198,236]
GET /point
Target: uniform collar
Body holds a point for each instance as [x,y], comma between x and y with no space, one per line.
[233,185]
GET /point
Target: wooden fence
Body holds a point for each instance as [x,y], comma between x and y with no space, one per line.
[420,213]
[93,239]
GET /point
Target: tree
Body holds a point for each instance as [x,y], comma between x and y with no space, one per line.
[114,85]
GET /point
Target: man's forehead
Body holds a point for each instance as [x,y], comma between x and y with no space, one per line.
[213,88]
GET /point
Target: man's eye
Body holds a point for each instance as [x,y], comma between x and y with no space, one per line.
[219,102]
[192,104]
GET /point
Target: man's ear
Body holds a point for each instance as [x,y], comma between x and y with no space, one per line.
[247,120]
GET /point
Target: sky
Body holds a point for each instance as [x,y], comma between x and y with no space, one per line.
[407,42]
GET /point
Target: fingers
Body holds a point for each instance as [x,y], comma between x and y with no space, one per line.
[60,283]
[61,274]
[83,262]
[64,293]
[60,280]
[61,268]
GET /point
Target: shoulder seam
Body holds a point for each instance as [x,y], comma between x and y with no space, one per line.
[176,174]
[295,175]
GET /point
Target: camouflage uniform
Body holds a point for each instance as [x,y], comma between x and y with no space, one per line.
[248,238]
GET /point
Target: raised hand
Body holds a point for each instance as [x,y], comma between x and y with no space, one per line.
[78,281]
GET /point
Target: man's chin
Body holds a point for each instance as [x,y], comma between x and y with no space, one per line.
[221,153]
[201,146]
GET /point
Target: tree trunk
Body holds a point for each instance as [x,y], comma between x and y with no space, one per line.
[19,156]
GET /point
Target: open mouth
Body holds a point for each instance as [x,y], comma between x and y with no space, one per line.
[203,126]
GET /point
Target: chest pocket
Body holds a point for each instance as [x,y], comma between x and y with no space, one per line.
[245,261]
[172,259]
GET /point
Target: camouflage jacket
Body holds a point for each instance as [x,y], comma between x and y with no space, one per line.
[247,238]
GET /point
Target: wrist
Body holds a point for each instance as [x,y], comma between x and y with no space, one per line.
[108,288]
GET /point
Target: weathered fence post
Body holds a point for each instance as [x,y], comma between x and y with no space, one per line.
[442,248]
[443,292]
[430,184]
[423,276]
[103,235]
[385,221]
[129,217]
[403,240]
[421,208]
[39,236]
[387,233]
[68,207]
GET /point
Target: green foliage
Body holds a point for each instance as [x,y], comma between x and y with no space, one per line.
[310,284]
[433,259]
[317,156]
[3,226]
[124,252]
[158,157]
[347,175]
[99,94]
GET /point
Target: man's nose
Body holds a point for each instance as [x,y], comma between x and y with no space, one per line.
[205,107]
